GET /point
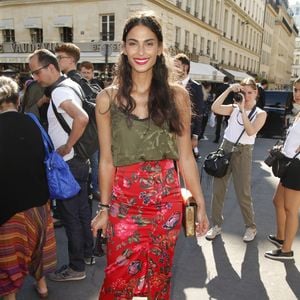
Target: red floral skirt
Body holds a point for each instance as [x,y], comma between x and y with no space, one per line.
[144,224]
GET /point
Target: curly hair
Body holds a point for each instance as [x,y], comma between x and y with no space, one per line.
[161,104]
[69,48]
[8,90]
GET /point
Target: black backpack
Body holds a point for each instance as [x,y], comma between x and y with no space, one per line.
[90,90]
[87,145]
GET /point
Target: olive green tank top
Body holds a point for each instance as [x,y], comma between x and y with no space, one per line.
[139,141]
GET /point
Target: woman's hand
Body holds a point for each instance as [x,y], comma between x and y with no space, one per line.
[100,222]
[236,87]
[202,223]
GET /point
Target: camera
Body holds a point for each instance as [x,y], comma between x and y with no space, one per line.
[269,160]
[238,97]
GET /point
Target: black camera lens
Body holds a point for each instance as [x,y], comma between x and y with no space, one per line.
[238,97]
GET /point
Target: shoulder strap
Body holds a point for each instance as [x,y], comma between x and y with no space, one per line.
[250,116]
[59,117]
[80,95]
[48,145]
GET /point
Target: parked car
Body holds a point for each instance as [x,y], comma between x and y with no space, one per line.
[277,106]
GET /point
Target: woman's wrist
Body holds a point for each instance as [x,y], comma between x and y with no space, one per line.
[102,208]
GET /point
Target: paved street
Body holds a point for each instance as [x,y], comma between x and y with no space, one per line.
[226,268]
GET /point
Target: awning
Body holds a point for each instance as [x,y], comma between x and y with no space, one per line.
[33,22]
[63,21]
[6,24]
[237,75]
[205,72]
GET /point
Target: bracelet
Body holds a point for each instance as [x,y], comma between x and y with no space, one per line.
[100,205]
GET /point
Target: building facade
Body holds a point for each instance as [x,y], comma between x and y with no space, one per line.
[227,34]
[296,61]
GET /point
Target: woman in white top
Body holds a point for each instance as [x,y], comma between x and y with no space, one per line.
[241,159]
[287,196]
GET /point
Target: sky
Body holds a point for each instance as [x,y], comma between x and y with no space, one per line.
[292,2]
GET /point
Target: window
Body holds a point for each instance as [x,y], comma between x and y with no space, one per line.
[196,11]
[195,42]
[232,27]
[188,6]
[225,22]
[178,37]
[203,10]
[107,28]
[211,11]
[8,35]
[208,49]
[36,35]
[66,34]
[202,44]
[187,40]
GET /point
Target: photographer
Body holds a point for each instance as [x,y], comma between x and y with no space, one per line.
[241,159]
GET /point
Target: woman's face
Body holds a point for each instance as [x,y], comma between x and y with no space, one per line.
[296,92]
[142,48]
[250,94]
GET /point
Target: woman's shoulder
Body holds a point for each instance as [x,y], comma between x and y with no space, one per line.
[260,111]
[106,99]
[181,95]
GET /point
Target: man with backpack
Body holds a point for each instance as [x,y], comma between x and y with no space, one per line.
[75,212]
[86,69]
[68,55]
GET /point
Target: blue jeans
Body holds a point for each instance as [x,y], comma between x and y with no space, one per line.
[76,216]
[94,159]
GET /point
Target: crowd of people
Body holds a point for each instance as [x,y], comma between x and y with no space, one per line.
[150,121]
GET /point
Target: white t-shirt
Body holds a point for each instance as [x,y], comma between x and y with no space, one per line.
[292,141]
[236,126]
[59,95]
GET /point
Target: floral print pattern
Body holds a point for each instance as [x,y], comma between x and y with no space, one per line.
[144,224]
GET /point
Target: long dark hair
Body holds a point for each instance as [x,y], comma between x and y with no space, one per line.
[161,104]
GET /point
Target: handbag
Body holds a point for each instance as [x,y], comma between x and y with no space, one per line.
[278,161]
[189,213]
[216,163]
[61,182]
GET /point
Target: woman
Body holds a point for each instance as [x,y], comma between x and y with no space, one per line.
[287,196]
[292,111]
[241,159]
[144,125]
[27,241]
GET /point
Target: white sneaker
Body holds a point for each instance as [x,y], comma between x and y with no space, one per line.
[213,232]
[250,234]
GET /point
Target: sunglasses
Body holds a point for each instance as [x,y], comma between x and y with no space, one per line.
[37,71]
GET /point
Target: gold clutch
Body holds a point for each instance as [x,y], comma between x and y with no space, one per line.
[189,213]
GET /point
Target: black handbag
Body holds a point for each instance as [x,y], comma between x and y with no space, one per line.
[216,163]
[280,165]
[278,161]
